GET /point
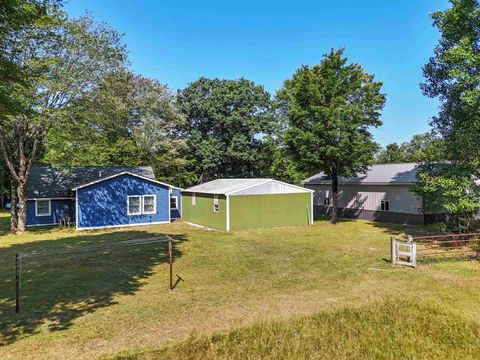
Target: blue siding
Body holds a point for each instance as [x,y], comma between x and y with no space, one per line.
[105,203]
[175,214]
[59,208]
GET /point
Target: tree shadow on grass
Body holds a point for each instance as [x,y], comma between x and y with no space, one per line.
[58,289]
[392,229]
[401,230]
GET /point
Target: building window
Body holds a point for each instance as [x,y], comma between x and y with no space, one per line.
[194,198]
[43,207]
[134,205]
[326,201]
[174,203]
[215,203]
[149,202]
[385,205]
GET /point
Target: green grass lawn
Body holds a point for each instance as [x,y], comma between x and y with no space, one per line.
[295,292]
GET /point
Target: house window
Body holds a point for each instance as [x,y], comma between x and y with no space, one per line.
[134,205]
[215,203]
[326,201]
[385,205]
[149,202]
[194,198]
[174,203]
[43,207]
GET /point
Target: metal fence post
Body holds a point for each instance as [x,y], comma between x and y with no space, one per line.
[170,256]
[18,266]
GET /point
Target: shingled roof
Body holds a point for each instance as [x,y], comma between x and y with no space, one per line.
[51,182]
[395,174]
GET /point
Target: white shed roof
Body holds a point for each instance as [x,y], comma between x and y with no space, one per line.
[231,186]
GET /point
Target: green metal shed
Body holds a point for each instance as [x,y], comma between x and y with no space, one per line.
[236,204]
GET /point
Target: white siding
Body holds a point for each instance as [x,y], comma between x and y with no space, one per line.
[369,197]
[272,187]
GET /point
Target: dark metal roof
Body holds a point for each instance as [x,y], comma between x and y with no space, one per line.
[50,182]
[395,174]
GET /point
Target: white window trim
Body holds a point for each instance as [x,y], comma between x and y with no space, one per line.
[329,202]
[154,211]
[176,202]
[128,204]
[215,203]
[49,207]
[385,201]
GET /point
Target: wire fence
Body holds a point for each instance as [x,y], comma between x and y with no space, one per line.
[39,258]
[449,246]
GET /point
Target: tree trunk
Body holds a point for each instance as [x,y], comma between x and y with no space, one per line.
[333,217]
[19,161]
[22,206]
[13,209]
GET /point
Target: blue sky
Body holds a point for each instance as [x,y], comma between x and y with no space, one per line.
[266,41]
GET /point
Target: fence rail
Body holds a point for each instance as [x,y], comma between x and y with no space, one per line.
[418,248]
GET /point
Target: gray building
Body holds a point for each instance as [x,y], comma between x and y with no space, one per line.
[383,193]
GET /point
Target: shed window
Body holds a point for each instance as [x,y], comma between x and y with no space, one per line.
[215,203]
[194,198]
[149,204]
[174,203]
[385,205]
[43,208]
[326,201]
[134,205]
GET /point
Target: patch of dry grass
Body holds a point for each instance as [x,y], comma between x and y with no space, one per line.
[391,330]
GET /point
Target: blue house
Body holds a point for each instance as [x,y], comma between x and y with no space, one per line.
[100,197]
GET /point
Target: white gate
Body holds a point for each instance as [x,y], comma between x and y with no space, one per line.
[403,252]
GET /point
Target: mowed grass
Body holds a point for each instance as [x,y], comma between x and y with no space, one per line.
[278,293]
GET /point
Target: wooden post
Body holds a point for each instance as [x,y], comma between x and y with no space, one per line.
[392,250]
[170,256]
[18,266]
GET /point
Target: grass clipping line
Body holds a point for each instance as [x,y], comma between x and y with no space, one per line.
[390,330]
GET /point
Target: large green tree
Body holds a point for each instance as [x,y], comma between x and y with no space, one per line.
[15,16]
[330,108]
[453,76]
[128,120]
[226,122]
[65,60]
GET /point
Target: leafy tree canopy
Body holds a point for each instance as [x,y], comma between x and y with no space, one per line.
[128,120]
[452,75]
[421,148]
[15,16]
[226,120]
